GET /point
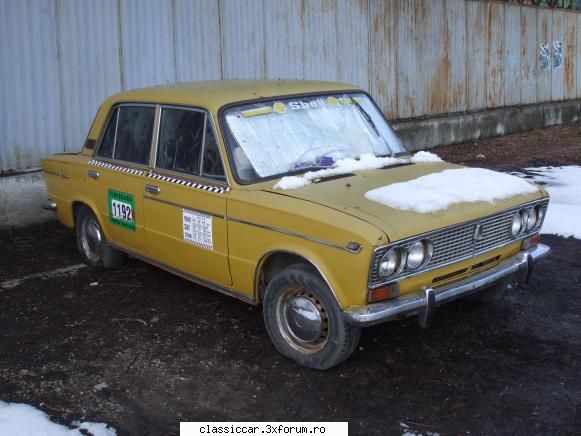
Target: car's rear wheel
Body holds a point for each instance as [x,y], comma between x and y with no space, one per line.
[92,243]
[304,320]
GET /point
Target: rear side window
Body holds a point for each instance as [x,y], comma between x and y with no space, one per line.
[187,144]
[128,135]
[134,131]
[108,142]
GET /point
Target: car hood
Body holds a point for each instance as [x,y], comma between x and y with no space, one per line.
[347,194]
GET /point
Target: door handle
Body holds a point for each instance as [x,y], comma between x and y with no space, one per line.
[152,189]
[93,174]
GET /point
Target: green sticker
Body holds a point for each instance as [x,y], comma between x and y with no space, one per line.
[122,209]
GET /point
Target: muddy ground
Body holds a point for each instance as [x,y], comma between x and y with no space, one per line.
[143,350]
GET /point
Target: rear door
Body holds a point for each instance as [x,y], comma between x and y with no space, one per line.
[185,198]
[118,172]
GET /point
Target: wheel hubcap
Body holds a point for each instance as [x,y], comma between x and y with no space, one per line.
[302,320]
[92,239]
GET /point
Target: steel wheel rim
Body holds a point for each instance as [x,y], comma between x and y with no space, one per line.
[302,320]
[92,239]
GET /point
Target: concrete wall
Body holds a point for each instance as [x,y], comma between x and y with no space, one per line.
[430,132]
[20,200]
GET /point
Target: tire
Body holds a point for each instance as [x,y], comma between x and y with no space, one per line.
[92,243]
[490,294]
[320,343]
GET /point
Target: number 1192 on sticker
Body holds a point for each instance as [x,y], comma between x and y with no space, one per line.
[121,211]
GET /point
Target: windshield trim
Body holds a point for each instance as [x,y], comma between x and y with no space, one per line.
[228,136]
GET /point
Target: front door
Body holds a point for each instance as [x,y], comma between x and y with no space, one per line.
[185,198]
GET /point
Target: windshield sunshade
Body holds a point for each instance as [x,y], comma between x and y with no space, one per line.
[286,136]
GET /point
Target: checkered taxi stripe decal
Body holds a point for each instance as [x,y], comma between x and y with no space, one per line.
[217,189]
[107,165]
[194,185]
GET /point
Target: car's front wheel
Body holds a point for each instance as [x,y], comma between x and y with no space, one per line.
[304,320]
[92,243]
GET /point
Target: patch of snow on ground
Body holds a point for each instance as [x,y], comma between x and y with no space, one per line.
[22,419]
[348,165]
[408,431]
[564,186]
[438,191]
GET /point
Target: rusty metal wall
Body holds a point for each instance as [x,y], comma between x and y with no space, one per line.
[30,92]
[418,58]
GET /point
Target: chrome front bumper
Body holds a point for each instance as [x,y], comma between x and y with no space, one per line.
[424,302]
[49,205]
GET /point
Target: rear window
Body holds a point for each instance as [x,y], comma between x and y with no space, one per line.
[128,135]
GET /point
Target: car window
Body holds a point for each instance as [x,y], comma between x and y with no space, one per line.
[128,134]
[180,141]
[186,135]
[296,134]
[134,131]
[212,166]
[108,141]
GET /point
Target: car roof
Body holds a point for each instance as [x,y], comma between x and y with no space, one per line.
[214,94]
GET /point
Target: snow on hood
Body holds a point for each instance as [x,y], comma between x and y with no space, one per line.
[564,186]
[425,157]
[348,165]
[437,191]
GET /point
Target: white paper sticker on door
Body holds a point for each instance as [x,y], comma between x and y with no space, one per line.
[198,229]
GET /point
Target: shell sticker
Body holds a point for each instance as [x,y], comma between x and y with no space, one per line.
[279,107]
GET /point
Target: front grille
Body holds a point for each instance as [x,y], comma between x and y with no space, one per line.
[457,243]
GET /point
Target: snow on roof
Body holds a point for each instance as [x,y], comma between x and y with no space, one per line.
[438,191]
[564,186]
[22,419]
[348,165]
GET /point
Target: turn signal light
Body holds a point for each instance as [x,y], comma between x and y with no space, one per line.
[531,242]
[383,293]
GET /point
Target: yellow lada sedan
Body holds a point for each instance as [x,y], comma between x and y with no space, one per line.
[296,195]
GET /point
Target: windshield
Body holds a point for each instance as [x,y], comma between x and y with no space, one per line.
[286,136]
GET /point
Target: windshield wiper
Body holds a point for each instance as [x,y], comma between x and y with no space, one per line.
[311,167]
[367,117]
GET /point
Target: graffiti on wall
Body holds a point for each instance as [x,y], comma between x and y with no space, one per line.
[557,53]
[546,55]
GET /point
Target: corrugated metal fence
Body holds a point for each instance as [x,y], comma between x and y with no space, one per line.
[61,58]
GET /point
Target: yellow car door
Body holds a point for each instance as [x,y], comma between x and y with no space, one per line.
[118,171]
[185,198]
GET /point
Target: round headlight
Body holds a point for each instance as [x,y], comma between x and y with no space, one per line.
[390,263]
[531,219]
[419,253]
[517,224]
[416,255]
[540,215]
